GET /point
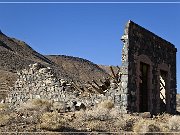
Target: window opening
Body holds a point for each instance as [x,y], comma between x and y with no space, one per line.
[163,88]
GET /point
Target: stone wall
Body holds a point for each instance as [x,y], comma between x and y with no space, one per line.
[141,45]
[39,82]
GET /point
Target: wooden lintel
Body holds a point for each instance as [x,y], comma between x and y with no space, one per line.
[112,71]
[96,83]
[97,89]
[76,87]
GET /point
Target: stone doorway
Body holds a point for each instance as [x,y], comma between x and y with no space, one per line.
[143,87]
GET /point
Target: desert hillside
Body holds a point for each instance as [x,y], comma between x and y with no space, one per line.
[16,55]
[77,68]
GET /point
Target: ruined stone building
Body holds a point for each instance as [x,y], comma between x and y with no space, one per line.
[146,81]
[148,71]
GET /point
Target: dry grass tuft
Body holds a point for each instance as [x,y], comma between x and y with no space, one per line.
[107,104]
[3,107]
[52,121]
[101,112]
[114,113]
[125,122]
[120,123]
[4,119]
[59,106]
[36,104]
[143,126]
[149,125]
[174,123]
[94,125]
[96,114]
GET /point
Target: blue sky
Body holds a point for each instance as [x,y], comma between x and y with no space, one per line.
[90,31]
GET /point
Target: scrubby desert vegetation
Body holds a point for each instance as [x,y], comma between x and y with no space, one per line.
[40,116]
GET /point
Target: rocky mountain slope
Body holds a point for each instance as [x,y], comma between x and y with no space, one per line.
[77,68]
[16,55]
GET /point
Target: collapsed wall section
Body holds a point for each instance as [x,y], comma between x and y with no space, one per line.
[40,82]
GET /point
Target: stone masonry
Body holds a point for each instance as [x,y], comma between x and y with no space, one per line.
[39,82]
[145,58]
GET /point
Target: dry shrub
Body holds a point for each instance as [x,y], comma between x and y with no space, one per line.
[36,104]
[96,114]
[174,123]
[148,125]
[120,123]
[101,112]
[94,125]
[52,121]
[142,126]
[114,113]
[4,119]
[79,115]
[107,104]
[164,118]
[58,106]
[3,107]
[125,122]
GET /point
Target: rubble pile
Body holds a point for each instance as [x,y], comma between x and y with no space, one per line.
[40,82]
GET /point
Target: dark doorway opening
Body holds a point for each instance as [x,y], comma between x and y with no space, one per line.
[143,87]
[163,88]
